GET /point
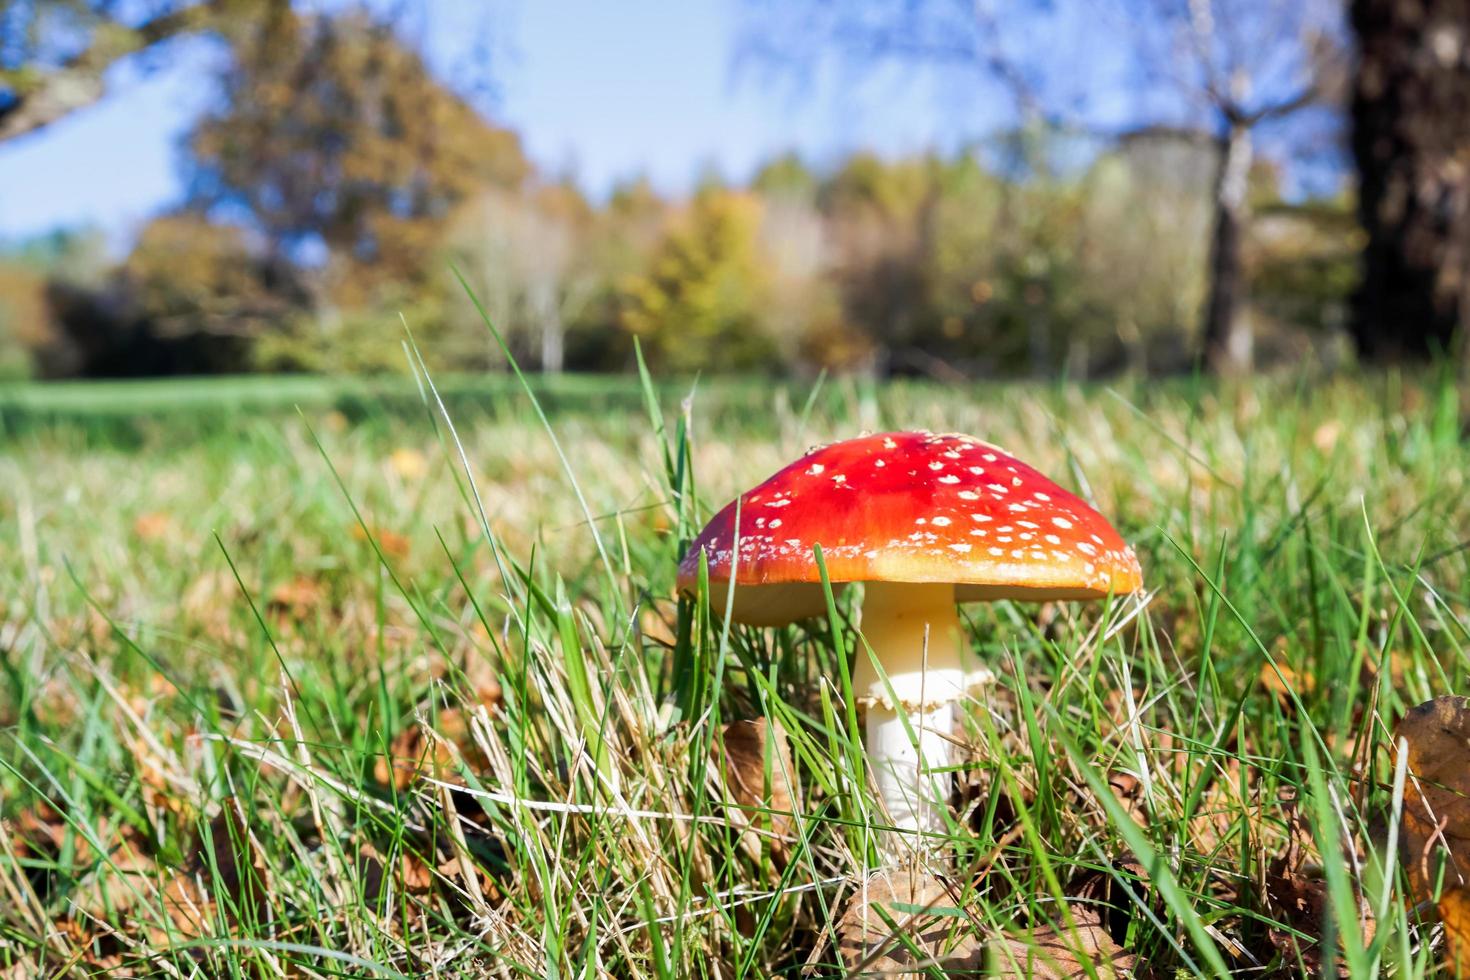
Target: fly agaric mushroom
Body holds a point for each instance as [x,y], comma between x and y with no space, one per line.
[923,521]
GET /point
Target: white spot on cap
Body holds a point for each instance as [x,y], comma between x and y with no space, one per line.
[961,547]
[1061,522]
[941,522]
[968,495]
[988,457]
[776,523]
[839,478]
[1040,496]
[1030,524]
[778,503]
[922,520]
[936,465]
[949,478]
[816,469]
[997,552]
[1086,548]
[879,463]
[1053,539]
[999,487]
[794,542]
[982,518]
[888,443]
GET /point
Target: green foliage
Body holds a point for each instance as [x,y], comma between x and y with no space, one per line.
[700,302]
[334,131]
[276,609]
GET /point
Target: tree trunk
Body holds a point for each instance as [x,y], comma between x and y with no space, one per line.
[1411,143]
[552,342]
[1227,340]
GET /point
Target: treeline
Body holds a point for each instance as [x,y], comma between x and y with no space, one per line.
[339,192]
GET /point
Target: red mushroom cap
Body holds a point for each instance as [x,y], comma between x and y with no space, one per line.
[910,507]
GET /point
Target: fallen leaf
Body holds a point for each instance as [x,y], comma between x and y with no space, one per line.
[900,924]
[1046,953]
[153,526]
[1128,790]
[1087,947]
[1283,681]
[297,597]
[758,774]
[1296,894]
[1454,912]
[656,627]
[393,544]
[225,874]
[415,753]
[1436,829]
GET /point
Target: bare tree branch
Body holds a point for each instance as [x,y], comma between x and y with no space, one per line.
[40,97]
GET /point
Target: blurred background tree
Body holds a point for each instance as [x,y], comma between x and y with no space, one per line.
[701,300]
[56,55]
[1136,210]
[1220,70]
[1411,141]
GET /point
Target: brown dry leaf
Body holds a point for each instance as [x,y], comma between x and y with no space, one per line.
[394,545]
[1283,681]
[415,753]
[656,627]
[1296,893]
[1063,953]
[1128,789]
[1326,435]
[234,877]
[761,786]
[1454,912]
[298,597]
[153,526]
[1437,797]
[921,911]
[1049,954]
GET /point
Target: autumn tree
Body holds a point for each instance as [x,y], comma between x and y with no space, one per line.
[701,302]
[524,254]
[334,134]
[1411,142]
[1231,69]
[192,297]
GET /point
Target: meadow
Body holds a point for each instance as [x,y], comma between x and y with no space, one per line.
[317,678]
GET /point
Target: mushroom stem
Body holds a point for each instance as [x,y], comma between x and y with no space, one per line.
[914,633]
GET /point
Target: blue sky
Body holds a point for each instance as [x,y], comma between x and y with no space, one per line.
[603,90]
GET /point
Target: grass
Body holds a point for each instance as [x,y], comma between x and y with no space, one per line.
[311,694]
